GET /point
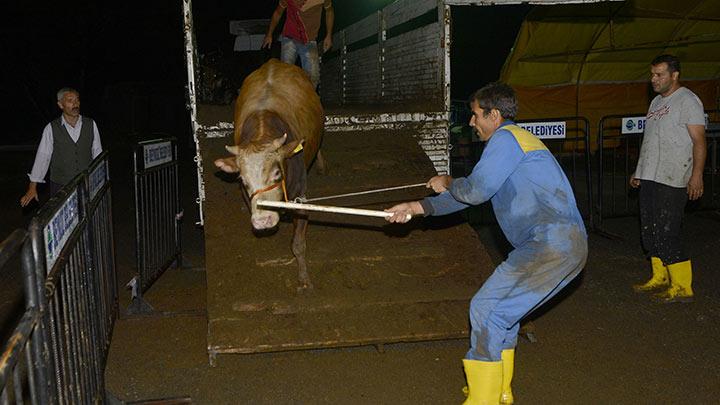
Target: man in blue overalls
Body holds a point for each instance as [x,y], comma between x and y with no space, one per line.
[535,207]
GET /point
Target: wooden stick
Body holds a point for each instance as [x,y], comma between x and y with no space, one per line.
[327,208]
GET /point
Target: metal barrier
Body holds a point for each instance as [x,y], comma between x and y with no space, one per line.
[619,141]
[58,352]
[617,157]
[157,215]
[20,375]
[568,139]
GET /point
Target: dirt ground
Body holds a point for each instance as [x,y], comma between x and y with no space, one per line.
[598,343]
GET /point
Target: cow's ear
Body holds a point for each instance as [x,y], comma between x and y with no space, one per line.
[291,148]
[228,165]
[278,142]
[235,150]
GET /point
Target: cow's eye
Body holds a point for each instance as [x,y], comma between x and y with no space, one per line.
[275,174]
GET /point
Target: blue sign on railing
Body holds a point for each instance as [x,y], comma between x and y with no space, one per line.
[98,177]
[545,130]
[60,227]
[155,154]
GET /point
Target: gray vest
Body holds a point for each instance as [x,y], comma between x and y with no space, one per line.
[70,158]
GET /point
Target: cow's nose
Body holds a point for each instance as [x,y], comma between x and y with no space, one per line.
[265,221]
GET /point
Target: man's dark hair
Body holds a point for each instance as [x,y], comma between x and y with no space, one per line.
[499,96]
[672,61]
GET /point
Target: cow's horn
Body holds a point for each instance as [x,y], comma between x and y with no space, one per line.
[235,150]
[277,143]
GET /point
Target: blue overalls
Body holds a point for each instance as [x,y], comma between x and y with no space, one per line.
[535,207]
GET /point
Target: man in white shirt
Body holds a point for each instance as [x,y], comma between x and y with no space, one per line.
[68,145]
[669,172]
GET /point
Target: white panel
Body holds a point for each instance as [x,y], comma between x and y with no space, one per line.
[219,130]
[430,129]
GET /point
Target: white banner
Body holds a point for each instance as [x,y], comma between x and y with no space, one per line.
[156,154]
[546,130]
[59,229]
[633,125]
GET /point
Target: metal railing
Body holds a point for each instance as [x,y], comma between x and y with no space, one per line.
[58,352]
[22,353]
[158,215]
[618,154]
[617,157]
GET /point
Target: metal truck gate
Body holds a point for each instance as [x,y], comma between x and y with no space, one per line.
[157,215]
[59,349]
[619,141]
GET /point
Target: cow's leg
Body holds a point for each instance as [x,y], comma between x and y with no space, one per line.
[298,248]
[320,162]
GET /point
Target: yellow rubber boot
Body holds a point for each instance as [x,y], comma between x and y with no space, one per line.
[660,278]
[680,283]
[508,364]
[484,380]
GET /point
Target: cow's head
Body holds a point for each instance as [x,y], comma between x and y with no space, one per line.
[260,166]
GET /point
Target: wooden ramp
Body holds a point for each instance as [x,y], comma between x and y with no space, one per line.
[374,283]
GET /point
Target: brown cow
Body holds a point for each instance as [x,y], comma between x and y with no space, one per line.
[278,127]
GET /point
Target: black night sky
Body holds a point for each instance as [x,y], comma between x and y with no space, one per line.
[127,57]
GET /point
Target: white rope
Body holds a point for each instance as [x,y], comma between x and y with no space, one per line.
[380,190]
[325,208]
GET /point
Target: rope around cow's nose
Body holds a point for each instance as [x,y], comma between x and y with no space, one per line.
[302,200]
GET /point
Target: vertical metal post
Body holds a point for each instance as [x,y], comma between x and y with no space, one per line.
[138,304]
[177,210]
[191,60]
[445,22]
[343,67]
[37,359]
[35,269]
[381,37]
[588,175]
[601,128]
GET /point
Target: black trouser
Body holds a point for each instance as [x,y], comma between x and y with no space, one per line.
[661,212]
